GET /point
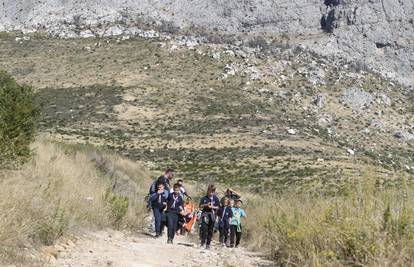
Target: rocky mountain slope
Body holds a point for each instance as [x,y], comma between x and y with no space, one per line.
[378,34]
[275,120]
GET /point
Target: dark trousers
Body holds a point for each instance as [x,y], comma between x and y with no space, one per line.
[172,219]
[224,234]
[207,228]
[158,213]
[234,233]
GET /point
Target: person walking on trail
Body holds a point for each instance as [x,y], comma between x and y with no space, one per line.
[158,202]
[163,179]
[236,223]
[190,216]
[231,194]
[175,207]
[183,192]
[225,215]
[209,205]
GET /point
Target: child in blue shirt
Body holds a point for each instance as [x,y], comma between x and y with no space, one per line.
[236,223]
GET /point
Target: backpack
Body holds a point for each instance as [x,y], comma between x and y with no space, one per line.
[153,187]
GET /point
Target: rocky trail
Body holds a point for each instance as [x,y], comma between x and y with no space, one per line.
[113,248]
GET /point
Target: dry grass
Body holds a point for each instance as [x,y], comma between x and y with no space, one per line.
[62,190]
[366,225]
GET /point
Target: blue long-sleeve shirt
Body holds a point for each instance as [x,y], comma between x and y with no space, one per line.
[157,200]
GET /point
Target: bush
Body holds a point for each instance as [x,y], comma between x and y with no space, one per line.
[119,206]
[18,114]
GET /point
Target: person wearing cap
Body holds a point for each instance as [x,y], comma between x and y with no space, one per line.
[230,194]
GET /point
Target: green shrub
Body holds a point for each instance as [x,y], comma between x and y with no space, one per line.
[18,115]
[119,206]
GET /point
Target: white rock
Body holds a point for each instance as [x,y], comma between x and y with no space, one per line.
[216,55]
[350,152]
[173,47]
[230,53]
[291,131]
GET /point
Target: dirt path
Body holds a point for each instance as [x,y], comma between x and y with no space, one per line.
[111,248]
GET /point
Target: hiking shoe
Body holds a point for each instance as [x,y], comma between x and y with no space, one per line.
[207,246]
[169,241]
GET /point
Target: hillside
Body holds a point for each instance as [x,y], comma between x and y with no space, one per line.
[304,107]
[275,120]
[378,34]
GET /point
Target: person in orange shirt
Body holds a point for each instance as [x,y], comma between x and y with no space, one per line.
[190,215]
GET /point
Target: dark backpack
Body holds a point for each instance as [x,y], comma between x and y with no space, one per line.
[153,187]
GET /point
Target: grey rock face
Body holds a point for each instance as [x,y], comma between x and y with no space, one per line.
[356,98]
[379,34]
[320,100]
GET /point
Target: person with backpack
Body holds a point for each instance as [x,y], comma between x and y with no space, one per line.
[158,202]
[209,205]
[183,192]
[163,179]
[175,207]
[225,215]
[236,223]
[230,194]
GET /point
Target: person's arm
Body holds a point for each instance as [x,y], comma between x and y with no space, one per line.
[151,199]
[218,206]
[230,216]
[168,201]
[187,195]
[220,212]
[202,205]
[164,202]
[235,193]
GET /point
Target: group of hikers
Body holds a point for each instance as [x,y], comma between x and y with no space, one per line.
[173,207]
